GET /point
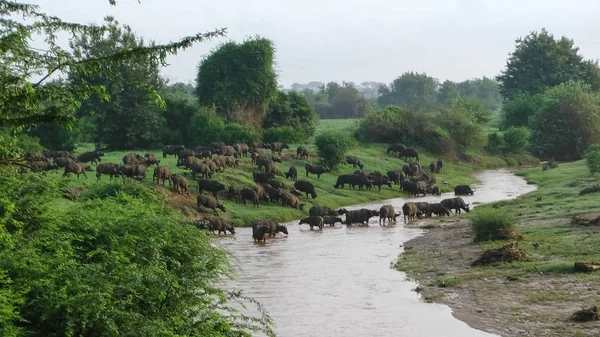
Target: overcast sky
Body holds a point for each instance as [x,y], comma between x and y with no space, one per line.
[352,40]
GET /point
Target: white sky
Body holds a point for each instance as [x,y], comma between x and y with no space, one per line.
[352,40]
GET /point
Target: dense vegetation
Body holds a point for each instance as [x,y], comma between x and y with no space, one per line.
[110,259]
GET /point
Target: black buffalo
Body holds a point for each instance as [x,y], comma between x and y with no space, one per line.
[306,187]
[292,173]
[211,186]
[463,190]
[457,204]
[360,216]
[354,161]
[316,169]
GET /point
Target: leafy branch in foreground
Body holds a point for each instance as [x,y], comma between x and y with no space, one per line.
[24,100]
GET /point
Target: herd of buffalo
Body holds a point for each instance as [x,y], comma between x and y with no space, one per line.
[205,161]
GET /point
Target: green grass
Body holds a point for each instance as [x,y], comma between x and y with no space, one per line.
[373,156]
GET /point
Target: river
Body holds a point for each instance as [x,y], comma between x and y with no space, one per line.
[338,282]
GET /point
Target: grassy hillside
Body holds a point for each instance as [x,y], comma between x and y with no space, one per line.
[373,155]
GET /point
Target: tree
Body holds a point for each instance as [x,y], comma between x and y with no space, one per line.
[23,102]
[291,110]
[485,90]
[448,92]
[567,121]
[130,119]
[592,158]
[180,106]
[412,90]
[520,110]
[332,146]
[540,62]
[472,109]
[343,101]
[517,138]
[239,80]
[205,126]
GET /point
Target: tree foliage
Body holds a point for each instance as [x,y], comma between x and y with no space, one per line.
[412,90]
[517,138]
[567,121]
[332,146]
[592,158]
[540,62]
[291,110]
[113,263]
[239,80]
[180,106]
[25,102]
[130,119]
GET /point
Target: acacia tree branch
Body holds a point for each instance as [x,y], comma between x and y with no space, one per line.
[171,47]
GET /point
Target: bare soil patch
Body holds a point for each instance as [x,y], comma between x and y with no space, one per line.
[504,299]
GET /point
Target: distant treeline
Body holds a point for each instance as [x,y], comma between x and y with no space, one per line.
[411,90]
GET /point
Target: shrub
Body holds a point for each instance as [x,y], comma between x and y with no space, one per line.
[517,138]
[54,137]
[237,133]
[286,134]
[205,126]
[495,143]
[332,147]
[592,158]
[104,267]
[568,121]
[491,224]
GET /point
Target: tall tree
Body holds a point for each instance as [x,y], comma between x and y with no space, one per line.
[180,107]
[130,119]
[344,101]
[567,121]
[448,92]
[239,79]
[540,62]
[24,102]
[291,110]
[412,90]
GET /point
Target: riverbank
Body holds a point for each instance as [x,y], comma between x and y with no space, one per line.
[532,298]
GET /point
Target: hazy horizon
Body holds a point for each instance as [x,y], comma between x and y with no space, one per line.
[349,40]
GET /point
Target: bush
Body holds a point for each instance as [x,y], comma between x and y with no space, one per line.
[592,158]
[332,147]
[205,126]
[237,133]
[103,267]
[286,134]
[495,143]
[568,121]
[54,137]
[517,138]
[491,224]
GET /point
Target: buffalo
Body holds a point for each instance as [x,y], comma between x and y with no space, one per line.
[313,221]
[422,208]
[331,220]
[201,169]
[395,176]
[77,168]
[216,145]
[209,201]
[62,161]
[433,167]
[302,152]
[306,187]
[276,183]
[249,194]
[292,173]
[409,209]
[272,193]
[322,211]
[132,159]
[220,225]
[396,148]
[387,212]
[316,169]
[90,157]
[409,153]
[162,173]
[439,166]
[463,190]
[172,150]
[379,180]
[272,168]
[291,200]
[106,168]
[409,187]
[259,232]
[438,209]
[180,184]
[277,147]
[360,216]
[241,149]
[262,177]
[457,204]
[354,161]
[183,154]
[233,192]
[210,186]
[227,151]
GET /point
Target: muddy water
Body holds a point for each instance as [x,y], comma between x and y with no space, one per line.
[338,282]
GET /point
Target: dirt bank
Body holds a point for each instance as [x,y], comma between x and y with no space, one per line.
[522,299]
